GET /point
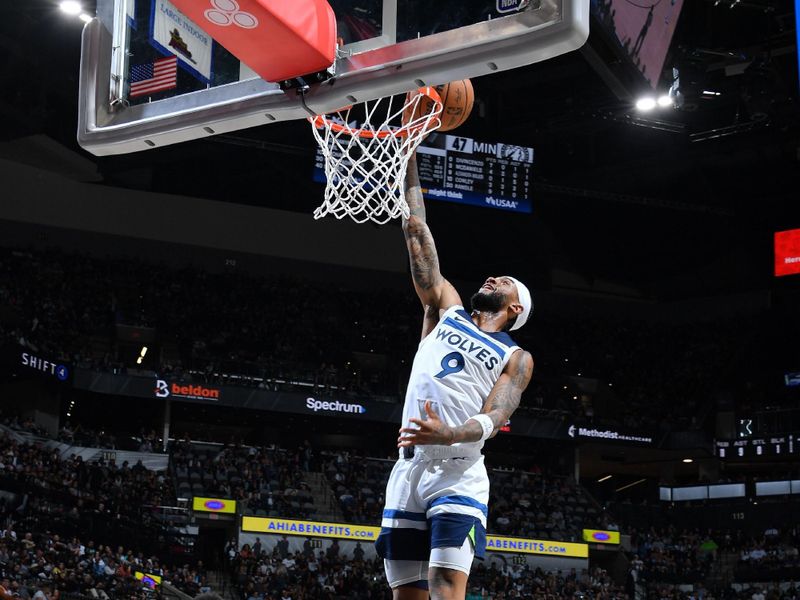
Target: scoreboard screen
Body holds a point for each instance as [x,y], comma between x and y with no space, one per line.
[774,446]
[466,171]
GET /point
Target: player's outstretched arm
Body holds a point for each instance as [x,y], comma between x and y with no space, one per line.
[499,406]
[434,291]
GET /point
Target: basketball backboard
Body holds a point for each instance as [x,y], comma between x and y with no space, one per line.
[388,47]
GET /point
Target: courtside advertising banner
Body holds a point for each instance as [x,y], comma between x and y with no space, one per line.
[343,531]
[173,33]
[496,543]
[316,529]
[600,536]
[214,505]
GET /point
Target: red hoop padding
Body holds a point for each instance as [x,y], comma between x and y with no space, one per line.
[322,121]
[278,39]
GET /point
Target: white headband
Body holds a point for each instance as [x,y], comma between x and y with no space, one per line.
[526,301]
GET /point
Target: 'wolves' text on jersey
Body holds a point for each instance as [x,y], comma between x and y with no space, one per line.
[456,367]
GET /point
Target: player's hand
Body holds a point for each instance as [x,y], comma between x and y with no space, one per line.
[431,431]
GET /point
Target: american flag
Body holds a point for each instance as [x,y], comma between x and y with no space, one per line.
[155,76]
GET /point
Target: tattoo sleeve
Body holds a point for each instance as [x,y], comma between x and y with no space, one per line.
[503,400]
[421,248]
[416,204]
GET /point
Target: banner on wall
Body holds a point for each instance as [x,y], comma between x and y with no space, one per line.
[304,404]
[498,543]
[344,531]
[25,361]
[172,32]
[339,531]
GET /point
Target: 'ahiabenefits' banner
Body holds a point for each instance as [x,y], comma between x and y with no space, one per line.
[496,543]
[343,531]
[339,531]
[172,32]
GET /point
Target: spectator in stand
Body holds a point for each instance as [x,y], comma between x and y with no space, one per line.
[661,372]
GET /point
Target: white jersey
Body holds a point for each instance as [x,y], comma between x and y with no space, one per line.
[456,367]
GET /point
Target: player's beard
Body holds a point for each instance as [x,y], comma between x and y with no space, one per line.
[491,302]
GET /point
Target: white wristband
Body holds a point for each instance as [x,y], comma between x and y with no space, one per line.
[486,424]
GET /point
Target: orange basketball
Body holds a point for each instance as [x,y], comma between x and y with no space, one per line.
[457,100]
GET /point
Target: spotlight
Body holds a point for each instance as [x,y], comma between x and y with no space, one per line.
[664,101]
[688,460]
[71,7]
[85,18]
[645,104]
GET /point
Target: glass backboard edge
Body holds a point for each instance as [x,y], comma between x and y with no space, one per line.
[502,44]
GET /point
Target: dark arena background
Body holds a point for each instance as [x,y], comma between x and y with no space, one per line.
[201,386]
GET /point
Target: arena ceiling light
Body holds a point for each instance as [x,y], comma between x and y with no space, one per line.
[664,101]
[688,460]
[71,7]
[646,104]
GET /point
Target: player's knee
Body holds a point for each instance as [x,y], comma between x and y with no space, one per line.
[446,584]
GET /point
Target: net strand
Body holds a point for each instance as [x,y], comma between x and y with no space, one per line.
[365,168]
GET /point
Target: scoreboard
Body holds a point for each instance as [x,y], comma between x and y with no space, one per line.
[773,446]
[467,171]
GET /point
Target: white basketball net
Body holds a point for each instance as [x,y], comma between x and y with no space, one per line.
[365,164]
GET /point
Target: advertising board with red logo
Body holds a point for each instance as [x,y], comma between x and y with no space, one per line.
[187,391]
[787,252]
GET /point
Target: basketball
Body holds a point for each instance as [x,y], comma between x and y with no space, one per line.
[457,100]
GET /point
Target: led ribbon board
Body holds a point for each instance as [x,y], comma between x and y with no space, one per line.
[344,531]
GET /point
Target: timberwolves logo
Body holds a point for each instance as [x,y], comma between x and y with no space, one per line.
[516,153]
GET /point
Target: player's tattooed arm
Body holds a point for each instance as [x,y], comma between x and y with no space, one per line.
[434,291]
[416,204]
[499,406]
[504,398]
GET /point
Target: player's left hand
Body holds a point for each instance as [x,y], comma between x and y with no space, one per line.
[431,431]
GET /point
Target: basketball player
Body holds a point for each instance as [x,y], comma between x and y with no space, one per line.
[466,381]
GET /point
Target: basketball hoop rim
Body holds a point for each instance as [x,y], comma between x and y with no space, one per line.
[322,121]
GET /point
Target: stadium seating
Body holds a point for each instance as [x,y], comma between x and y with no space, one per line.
[650,375]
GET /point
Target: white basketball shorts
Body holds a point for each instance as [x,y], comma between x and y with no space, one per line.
[433,505]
